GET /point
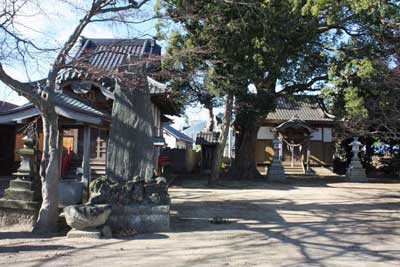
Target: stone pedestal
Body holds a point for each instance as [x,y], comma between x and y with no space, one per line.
[356,172]
[141,218]
[85,220]
[21,201]
[136,204]
[275,170]
[87,233]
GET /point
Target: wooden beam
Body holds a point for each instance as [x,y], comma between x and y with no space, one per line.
[86,163]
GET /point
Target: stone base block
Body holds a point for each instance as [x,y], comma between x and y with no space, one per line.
[356,172]
[354,177]
[20,217]
[276,173]
[87,233]
[141,218]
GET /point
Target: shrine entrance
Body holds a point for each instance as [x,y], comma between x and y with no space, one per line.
[295,146]
[292,153]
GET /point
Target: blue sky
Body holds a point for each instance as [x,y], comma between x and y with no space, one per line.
[54,27]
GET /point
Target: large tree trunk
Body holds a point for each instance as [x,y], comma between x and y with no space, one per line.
[219,150]
[245,156]
[49,173]
[130,150]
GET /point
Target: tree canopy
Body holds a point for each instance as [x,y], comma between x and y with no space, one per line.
[282,47]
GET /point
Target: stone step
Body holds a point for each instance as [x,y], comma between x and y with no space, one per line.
[98,172]
[98,167]
[293,170]
[19,204]
[21,184]
[18,194]
[290,164]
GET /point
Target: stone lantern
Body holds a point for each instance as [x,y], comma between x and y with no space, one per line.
[21,201]
[355,171]
[27,153]
[275,170]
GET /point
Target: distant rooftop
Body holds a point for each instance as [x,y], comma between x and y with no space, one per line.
[194,129]
[178,134]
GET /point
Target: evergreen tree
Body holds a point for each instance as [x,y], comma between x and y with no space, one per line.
[282,47]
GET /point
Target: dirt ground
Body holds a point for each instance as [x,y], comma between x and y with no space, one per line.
[300,223]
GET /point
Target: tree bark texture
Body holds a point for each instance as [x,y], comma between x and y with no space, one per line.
[219,150]
[130,150]
[49,173]
[210,123]
[245,156]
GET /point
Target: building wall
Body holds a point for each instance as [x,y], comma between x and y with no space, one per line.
[321,153]
[182,144]
[321,146]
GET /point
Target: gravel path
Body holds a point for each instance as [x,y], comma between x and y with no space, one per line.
[300,223]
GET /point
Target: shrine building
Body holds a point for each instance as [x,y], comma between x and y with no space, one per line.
[84,105]
[305,130]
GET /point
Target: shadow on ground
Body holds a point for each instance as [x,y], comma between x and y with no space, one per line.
[332,227]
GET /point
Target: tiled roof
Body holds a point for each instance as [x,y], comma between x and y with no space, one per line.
[178,135]
[111,53]
[77,105]
[65,106]
[157,87]
[306,108]
[6,106]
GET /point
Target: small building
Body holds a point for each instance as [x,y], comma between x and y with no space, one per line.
[176,139]
[208,142]
[305,129]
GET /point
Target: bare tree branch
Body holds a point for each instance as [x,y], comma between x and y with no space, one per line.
[28,90]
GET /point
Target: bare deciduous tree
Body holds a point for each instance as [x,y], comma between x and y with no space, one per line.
[15,46]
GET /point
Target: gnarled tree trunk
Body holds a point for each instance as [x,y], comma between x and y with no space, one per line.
[219,150]
[130,150]
[245,156]
[49,173]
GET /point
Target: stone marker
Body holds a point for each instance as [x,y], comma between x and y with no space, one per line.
[21,201]
[355,171]
[275,170]
[138,204]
